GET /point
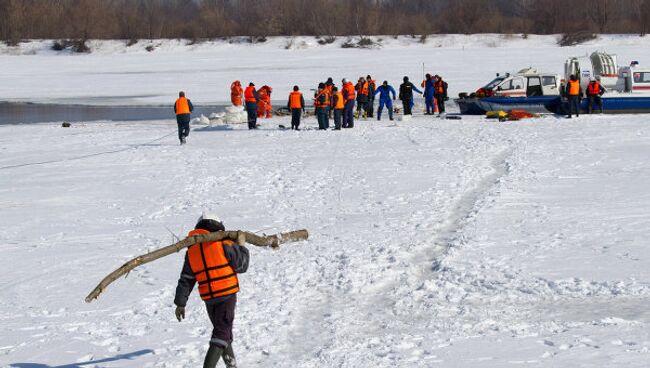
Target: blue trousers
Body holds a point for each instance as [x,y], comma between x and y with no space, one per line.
[430,105]
[348,114]
[389,106]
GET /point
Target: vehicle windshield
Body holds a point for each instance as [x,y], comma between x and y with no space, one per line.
[494,82]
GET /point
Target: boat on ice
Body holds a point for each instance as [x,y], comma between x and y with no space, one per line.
[627,89]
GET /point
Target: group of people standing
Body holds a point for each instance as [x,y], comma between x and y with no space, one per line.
[330,102]
[573,92]
[257,102]
[339,104]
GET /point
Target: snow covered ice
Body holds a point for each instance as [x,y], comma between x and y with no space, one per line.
[434,243]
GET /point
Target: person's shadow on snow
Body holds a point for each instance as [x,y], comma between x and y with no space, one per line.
[128,356]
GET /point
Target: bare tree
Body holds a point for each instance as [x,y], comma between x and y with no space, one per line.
[600,12]
[134,19]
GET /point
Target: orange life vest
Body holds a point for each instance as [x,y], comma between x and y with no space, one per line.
[294,100]
[340,104]
[350,90]
[574,88]
[593,89]
[373,84]
[439,87]
[363,89]
[249,94]
[211,269]
[317,102]
[182,106]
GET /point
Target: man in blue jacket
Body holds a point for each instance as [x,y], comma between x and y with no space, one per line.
[429,94]
[385,91]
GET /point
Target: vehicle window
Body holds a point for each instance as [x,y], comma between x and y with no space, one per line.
[641,77]
[506,85]
[533,82]
[493,83]
[515,83]
[548,81]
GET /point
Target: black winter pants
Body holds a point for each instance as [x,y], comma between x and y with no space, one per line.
[183,130]
[251,110]
[598,101]
[370,108]
[295,118]
[338,116]
[406,104]
[441,105]
[574,105]
[222,315]
[321,115]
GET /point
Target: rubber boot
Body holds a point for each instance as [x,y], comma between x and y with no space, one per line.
[212,357]
[229,357]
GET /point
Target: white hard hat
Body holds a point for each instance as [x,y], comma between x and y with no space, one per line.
[209,216]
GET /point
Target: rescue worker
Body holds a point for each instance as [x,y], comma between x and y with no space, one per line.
[348,110]
[385,91]
[321,103]
[329,85]
[406,95]
[362,97]
[297,106]
[214,266]
[251,97]
[338,105]
[429,94]
[236,92]
[573,91]
[183,109]
[264,109]
[594,91]
[440,91]
[372,86]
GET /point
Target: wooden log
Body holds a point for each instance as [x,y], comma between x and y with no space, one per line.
[241,237]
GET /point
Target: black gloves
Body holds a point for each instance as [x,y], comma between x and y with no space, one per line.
[180,313]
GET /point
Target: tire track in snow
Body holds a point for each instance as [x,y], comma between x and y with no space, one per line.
[466,208]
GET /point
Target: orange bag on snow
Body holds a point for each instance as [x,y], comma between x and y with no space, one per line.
[520,114]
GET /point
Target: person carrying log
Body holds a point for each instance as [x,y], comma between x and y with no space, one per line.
[215,266]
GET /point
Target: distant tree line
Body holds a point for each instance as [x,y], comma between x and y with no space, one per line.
[204,19]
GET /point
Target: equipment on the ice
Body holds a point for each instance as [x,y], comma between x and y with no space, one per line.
[627,89]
